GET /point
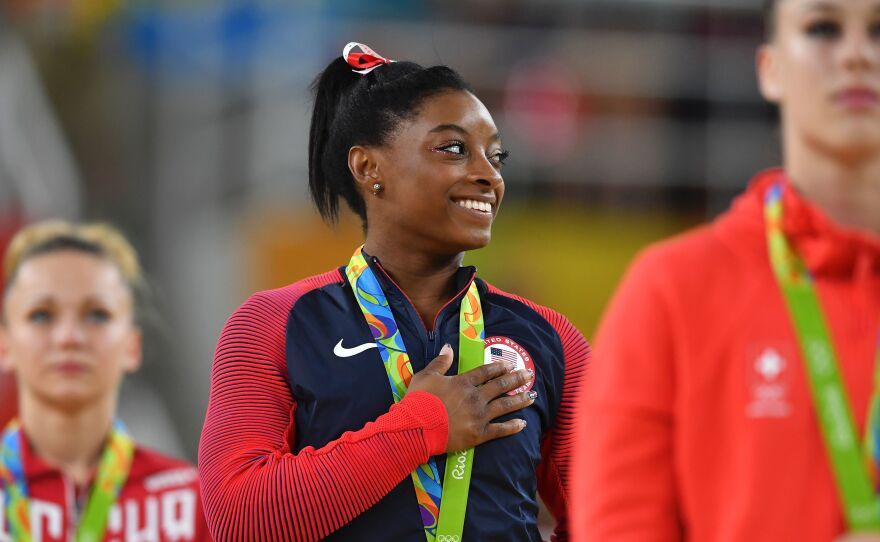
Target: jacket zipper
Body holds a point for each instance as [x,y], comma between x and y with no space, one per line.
[430,335]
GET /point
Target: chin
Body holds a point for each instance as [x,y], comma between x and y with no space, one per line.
[856,146]
[476,241]
[851,141]
[69,397]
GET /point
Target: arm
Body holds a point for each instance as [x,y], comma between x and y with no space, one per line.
[554,470]
[252,485]
[624,458]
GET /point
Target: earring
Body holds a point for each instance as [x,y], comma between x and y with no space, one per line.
[376,188]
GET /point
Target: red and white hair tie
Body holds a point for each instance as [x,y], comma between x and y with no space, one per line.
[365,61]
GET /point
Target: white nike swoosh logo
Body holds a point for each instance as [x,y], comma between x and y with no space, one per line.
[343,352]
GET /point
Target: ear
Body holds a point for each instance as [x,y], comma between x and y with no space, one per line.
[363,162]
[135,351]
[769,76]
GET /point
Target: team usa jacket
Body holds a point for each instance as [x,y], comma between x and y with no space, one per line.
[301,440]
[697,420]
[159,502]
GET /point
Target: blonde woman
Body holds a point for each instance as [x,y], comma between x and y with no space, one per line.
[69,471]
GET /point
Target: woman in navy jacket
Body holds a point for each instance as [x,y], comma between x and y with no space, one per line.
[330,412]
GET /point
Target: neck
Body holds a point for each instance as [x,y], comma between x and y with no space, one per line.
[847,190]
[70,440]
[427,279]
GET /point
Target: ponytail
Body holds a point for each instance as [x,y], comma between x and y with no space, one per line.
[329,89]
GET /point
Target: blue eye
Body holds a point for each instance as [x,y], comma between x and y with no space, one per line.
[824,29]
[98,316]
[39,316]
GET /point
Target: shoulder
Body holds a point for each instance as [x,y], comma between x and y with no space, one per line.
[269,309]
[697,257]
[545,316]
[158,472]
[259,325]
[696,244]
[281,300]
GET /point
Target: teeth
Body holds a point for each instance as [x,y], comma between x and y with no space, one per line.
[478,205]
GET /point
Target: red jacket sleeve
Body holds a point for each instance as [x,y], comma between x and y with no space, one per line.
[554,472]
[253,487]
[623,466]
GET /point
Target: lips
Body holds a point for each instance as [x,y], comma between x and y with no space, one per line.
[70,367]
[857,98]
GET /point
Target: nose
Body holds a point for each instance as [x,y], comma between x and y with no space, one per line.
[68,333]
[858,51]
[485,173]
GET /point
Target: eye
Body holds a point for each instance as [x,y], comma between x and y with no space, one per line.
[39,316]
[455,147]
[823,29]
[500,157]
[98,315]
[874,29]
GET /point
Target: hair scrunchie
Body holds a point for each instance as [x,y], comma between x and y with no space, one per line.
[364,61]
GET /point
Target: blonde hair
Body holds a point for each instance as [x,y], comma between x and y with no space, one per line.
[102,240]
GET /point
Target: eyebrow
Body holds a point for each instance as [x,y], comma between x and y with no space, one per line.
[40,299]
[456,128]
[821,6]
[43,299]
[830,7]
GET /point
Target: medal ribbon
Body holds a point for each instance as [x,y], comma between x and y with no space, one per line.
[852,468]
[113,471]
[445,521]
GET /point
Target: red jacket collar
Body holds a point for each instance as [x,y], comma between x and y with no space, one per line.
[35,467]
[826,247]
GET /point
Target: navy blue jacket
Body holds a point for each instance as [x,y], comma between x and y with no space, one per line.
[306,351]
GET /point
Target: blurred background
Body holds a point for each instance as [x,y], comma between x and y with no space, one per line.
[185,123]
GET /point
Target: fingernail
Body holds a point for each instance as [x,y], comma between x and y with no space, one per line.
[531,373]
[523,423]
[446,349]
[510,365]
[533,395]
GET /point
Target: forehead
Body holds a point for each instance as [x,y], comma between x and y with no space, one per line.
[829,5]
[68,273]
[457,107]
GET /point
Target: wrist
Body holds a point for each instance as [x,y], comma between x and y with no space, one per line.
[431,414]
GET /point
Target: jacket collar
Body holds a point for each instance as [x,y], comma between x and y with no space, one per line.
[826,247]
[463,277]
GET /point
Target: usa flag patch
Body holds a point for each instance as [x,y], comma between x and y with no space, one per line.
[504,350]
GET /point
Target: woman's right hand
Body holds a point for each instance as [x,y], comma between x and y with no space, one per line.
[475,398]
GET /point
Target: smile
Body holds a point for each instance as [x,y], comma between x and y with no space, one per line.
[483,206]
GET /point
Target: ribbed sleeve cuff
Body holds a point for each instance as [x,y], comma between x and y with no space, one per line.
[428,411]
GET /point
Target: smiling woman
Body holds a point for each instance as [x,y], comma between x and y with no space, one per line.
[331,415]
[68,469]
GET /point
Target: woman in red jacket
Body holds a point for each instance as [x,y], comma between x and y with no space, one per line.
[69,470]
[734,396]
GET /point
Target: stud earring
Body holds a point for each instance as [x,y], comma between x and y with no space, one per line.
[376,188]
